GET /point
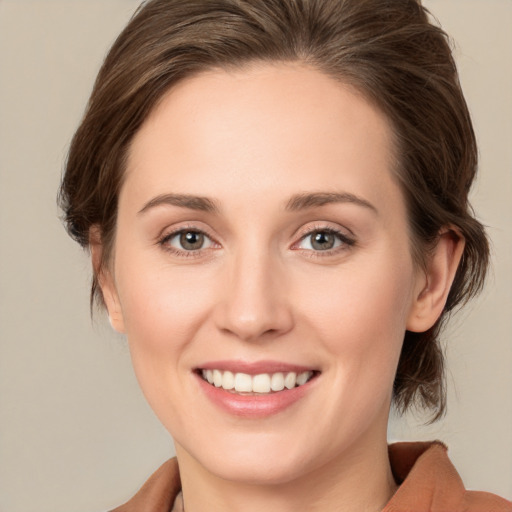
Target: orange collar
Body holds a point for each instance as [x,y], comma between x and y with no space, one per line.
[428,482]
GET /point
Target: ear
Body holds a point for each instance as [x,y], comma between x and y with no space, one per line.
[434,285]
[105,280]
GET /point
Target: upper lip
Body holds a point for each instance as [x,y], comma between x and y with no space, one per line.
[254,368]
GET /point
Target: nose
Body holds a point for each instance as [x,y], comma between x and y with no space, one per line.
[254,304]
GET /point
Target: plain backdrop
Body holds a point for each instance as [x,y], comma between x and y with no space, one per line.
[75,432]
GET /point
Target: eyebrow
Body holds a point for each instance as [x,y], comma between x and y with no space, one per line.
[304,201]
[182,200]
[295,203]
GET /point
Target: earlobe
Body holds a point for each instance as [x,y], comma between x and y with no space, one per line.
[432,291]
[115,316]
[105,281]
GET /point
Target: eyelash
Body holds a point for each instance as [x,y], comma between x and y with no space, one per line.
[163,242]
[346,242]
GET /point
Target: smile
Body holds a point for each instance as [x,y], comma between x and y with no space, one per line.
[263,383]
[255,390]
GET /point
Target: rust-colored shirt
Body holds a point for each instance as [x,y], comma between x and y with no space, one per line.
[427,481]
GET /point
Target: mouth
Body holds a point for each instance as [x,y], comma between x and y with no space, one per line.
[255,390]
[260,384]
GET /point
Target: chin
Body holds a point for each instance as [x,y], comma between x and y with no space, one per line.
[258,470]
[261,459]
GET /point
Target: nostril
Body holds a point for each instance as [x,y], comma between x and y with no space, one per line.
[252,307]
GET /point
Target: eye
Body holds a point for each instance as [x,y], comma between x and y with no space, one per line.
[324,240]
[187,240]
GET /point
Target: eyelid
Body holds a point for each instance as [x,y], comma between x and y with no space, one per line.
[169,233]
[347,240]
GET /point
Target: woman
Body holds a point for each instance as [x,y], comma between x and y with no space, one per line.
[274,194]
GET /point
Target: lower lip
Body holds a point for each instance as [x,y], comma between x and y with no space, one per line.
[253,406]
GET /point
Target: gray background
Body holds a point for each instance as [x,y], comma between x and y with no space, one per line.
[75,431]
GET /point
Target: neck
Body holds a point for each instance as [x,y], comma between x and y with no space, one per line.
[360,480]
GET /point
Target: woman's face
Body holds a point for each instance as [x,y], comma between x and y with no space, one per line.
[262,242]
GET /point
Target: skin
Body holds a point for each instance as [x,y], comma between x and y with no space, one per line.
[249,140]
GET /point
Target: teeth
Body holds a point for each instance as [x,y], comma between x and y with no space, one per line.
[217,378]
[277,382]
[243,382]
[302,378]
[228,380]
[261,383]
[290,380]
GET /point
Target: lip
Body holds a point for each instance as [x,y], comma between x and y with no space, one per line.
[254,368]
[254,406]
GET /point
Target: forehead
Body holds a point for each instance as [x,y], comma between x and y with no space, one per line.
[265,129]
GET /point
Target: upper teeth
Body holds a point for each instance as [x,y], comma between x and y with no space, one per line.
[261,383]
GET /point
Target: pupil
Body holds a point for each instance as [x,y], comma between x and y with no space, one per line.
[323,241]
[191,240]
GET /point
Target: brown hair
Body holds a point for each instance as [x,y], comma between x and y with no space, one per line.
[386,49]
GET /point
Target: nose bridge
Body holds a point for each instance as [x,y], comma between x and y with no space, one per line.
[254,298]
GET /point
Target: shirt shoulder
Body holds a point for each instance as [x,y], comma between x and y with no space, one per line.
[428,482]
[478,501]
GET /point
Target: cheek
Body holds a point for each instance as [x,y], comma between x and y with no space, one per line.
[163,307]
[361,314]
[359,326]
[163,310]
